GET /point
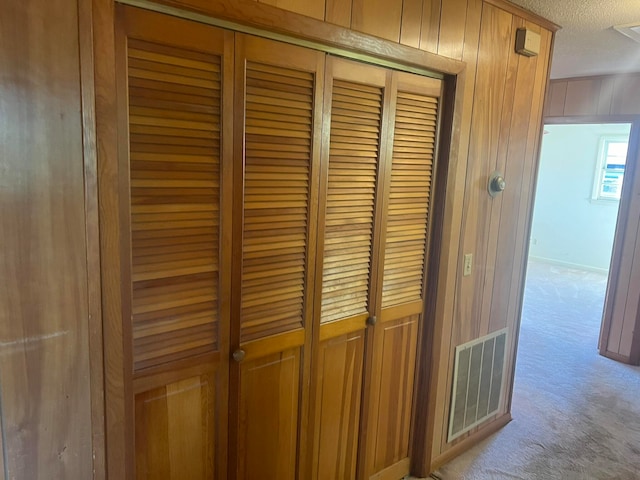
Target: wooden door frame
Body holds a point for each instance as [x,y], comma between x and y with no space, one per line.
[270,22]
[621,224]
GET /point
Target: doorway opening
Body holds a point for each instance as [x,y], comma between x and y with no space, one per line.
[578,193]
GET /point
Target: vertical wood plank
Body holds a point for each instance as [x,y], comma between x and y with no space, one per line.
[430,30]
[453,19]
[381,18]
[557,96]
[338,12]
[626,100]
[411,23]
[310,8]
[44,337]
[582,97]
[605,98]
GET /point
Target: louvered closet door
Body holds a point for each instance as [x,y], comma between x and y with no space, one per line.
[278,88]
[176,175]
[403,253]
[349,216]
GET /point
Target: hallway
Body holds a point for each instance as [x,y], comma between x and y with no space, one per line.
[576,414]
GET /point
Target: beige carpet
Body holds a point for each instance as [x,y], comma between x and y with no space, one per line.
[576,414]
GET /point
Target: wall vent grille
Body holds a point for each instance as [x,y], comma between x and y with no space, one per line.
[477,382]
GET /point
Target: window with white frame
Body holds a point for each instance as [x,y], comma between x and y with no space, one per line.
[612,158]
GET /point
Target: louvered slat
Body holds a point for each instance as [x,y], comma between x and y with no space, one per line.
[279,110]
[356,112]
[410,190]
[174,126]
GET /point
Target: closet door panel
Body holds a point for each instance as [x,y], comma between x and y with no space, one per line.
[392,395]
[404,249]
[354,104]
[175,430]
[173,91]
[338,395]
[278,107]
[349,214]
[269,415]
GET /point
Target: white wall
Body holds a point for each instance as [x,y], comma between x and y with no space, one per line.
[568,226]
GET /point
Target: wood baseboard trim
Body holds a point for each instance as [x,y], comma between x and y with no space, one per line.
[470,441]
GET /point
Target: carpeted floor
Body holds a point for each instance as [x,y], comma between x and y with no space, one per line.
[576,415]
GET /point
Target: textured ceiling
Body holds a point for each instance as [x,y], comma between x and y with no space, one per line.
[587,44]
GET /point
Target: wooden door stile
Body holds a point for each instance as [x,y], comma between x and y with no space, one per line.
[403,256]
[176,170]
[278,124]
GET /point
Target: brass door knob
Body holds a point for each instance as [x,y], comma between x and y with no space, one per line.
[239,355]
[372,320]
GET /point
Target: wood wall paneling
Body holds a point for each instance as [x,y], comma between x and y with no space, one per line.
[509,103]
[555,99]
[44,328]
[513,129]
[381,18]
[430,29]
[411,23]
[494,48]
[452,28]
[310,8]
[338,12]
[451,245]
[582,98]
[608,95]
[625,99]
[605,96]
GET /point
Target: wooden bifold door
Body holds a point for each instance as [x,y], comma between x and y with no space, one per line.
[275,223]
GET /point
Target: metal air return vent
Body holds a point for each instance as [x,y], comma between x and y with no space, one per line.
[477,382]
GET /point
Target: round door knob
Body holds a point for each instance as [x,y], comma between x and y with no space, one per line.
[239,355]
[497,184]
[372,320]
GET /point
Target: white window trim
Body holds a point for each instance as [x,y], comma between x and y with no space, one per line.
[600,168]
